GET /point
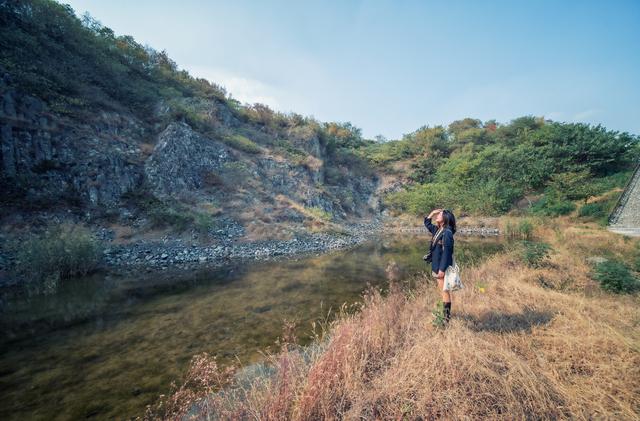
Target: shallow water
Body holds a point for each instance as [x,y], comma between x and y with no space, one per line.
[106,346]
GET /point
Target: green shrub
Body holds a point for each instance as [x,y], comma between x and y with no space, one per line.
[165,216]
[438,320]
[599,211]
[592,210]
[525,228]
[610,182]
[61,252]
[552,206]
[334,176]
[204,222]
[172,214]
[614,276]
[522,230]
[291,152]
[242,143]
[319,213]
[534,254]
[235,173]
[420,199]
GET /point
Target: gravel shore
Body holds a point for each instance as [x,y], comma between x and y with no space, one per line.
[178,254]
[152,256]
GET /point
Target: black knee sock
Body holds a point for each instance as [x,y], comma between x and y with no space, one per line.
[447,310]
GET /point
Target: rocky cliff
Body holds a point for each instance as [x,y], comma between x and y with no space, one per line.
[113,165]
[95,127]
[49,160]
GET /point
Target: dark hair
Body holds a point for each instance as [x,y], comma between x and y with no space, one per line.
[449,220]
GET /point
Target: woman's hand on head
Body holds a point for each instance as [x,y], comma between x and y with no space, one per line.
[434,211]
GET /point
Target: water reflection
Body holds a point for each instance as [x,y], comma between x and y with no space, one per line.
[106,346]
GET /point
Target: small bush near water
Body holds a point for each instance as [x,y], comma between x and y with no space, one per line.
[592,210]
[163,214]
[522,230]
[61,252]
[616,277]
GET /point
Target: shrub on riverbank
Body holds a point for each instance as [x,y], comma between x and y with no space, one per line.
[510,351]
[533,253]
[521,228]
[616,277]
[60,252]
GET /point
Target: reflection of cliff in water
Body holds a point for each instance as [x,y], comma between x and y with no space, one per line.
[108,346]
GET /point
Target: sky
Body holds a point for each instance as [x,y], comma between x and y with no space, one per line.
[390,67]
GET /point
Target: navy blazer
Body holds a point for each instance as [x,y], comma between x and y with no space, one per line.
[442,250]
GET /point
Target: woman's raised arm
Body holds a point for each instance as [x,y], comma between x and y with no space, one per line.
[427,223]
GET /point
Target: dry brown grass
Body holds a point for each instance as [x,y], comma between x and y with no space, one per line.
[513,349]
[404,221]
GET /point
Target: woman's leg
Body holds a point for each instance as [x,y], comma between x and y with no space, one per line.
[446,299]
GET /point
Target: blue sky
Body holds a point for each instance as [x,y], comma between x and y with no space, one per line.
[390,67]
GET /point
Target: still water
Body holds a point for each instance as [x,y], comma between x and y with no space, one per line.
[104,347]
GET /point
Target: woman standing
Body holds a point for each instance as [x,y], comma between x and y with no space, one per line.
[441,250]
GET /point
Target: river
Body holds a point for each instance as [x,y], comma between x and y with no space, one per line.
[105,346]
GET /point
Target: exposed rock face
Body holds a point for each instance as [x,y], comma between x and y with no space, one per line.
[47,158]
[308,141]
[297,182]
[182,158]
[51,160]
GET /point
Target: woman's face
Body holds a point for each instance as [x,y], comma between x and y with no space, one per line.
[439,219]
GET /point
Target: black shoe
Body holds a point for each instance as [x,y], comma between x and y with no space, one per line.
[447,312]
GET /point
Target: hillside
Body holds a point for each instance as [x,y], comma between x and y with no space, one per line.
[485,168]
[114,131]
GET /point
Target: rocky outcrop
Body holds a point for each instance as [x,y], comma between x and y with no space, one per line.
[50,159]
[307,140]
[182,159]
[47,158]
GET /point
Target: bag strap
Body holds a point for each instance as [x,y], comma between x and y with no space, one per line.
[438,234]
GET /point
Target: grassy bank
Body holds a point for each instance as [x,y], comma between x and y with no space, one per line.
[526,341]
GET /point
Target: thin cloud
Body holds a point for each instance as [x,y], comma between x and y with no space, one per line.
[585,115]
[243,89]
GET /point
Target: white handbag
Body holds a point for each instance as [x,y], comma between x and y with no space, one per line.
[452,281]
